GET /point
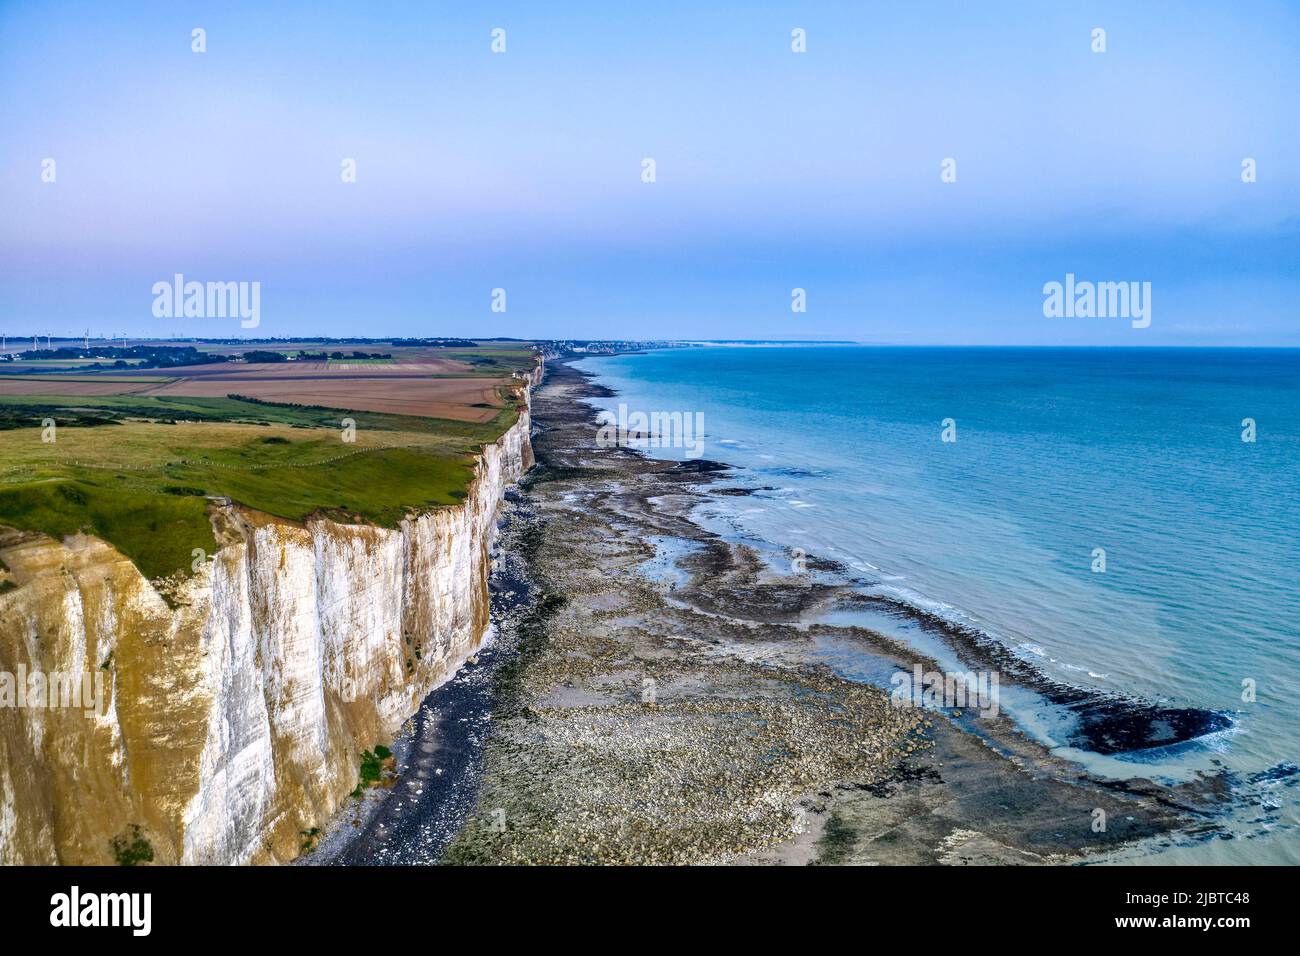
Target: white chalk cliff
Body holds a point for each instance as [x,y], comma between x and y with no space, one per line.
[235,720]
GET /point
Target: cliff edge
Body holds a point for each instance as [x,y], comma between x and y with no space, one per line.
[231,719]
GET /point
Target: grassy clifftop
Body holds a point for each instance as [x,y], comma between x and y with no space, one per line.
[137,471]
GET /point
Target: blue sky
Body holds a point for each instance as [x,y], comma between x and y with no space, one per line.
[774,169]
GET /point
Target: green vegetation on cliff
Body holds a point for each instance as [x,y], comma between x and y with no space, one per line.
[130,848]
[141,478]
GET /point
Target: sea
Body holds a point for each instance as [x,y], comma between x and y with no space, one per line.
[1126,520]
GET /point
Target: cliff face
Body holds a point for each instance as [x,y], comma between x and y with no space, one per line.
[234,721]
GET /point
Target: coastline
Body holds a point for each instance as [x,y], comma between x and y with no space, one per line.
[682,716]
[438,752]
[239,702]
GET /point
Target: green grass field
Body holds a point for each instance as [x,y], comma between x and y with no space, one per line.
[136,471]
[489,362]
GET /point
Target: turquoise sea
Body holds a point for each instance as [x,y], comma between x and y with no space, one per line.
[1058,452]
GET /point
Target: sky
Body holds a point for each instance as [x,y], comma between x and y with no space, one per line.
[774,170]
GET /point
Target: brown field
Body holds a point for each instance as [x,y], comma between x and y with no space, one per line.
[409,394]
[405,363]
[418,381]
[64,385]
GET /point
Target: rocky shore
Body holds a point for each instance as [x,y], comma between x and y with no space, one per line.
[664,704]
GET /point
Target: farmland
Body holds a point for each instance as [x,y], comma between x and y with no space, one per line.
[402,390]
[75,385]
[135,459]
